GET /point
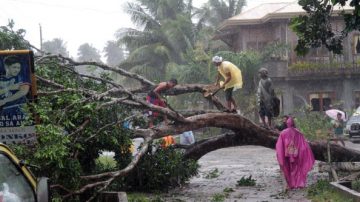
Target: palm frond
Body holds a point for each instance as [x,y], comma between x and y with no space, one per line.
[140,17]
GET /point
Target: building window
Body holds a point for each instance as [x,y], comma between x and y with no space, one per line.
[356,44]
[320,101]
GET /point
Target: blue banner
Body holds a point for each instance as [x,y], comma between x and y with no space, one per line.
[17,89]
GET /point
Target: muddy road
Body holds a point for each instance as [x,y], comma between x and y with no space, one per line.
[220,170]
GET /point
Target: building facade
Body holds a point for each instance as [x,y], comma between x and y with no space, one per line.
[320,80]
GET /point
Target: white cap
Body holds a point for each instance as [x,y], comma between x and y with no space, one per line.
[217,59]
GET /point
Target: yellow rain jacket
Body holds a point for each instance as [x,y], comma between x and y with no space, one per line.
[236,77]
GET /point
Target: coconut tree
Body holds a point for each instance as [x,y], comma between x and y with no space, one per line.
[216,11]
[165,33]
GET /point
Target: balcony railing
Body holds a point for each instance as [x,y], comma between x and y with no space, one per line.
[324,66]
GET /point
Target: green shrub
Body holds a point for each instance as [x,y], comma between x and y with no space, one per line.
[105,163]
[323,192]
[320,187]
[218,197]
[355,185]
[158,170]
[214,173]
[227,191]
[314,125]
[246,181]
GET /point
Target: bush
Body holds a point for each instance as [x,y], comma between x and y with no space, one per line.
[246,181]
[212,174]
[323,192]
[355,185]
[159,170]
[314,125]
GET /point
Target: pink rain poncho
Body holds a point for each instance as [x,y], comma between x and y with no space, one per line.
[294,156]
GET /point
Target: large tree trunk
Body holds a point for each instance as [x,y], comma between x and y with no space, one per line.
[248,133]
[199,149]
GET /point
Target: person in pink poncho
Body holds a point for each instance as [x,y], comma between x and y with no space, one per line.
[294,156]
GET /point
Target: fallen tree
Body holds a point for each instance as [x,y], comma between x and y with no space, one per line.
[244,131]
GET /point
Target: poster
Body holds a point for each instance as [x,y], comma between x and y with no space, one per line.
[17,89]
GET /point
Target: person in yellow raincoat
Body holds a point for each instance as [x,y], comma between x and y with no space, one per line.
[233,80]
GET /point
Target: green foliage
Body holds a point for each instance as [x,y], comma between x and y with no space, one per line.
[167,33]
[249,63]
[138,197]
[274,50]
[170,34]
[159,170]
[215,12]
[246,181]
[319,187]
[56,46]
[218,197]
[355,185]
[321,191]
[12,39]
[314,125]
[71,135]
[105,163]
[64,152]
[214,173]
[227,191]
[114,53]
[306,66]
[315,29]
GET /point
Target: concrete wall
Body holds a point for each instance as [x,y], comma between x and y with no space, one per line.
[295,91]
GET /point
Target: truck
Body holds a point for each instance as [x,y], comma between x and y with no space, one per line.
[17,183]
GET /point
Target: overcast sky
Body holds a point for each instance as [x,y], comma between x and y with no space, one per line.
[74,21]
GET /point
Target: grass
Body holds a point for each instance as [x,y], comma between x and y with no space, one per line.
[246,181]
[323,192]
[220,197]
[212,174]
[105,163]
[140,197]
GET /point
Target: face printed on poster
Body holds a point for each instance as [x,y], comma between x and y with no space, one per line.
[16,74]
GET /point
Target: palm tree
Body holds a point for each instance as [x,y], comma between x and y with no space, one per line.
[166,33]
[215,12]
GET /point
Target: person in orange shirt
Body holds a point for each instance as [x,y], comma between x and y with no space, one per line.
[167,141]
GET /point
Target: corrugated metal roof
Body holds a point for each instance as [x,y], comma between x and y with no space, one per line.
[260,11]
[267,11]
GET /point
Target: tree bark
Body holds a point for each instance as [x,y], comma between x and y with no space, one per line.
[248,133]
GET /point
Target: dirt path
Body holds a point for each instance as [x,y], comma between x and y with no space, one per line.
[232,164]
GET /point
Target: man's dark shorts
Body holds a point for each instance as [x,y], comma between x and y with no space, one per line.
[264,112]
[228,93]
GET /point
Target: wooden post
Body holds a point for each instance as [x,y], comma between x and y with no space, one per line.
[333,172]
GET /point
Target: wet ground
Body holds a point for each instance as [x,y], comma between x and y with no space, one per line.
[220,170]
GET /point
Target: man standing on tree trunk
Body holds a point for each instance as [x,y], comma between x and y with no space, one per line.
[265,95]
[233,80]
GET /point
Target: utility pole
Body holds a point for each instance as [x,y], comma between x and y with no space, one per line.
[41,39]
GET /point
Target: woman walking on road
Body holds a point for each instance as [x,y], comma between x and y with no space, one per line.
[294,156]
